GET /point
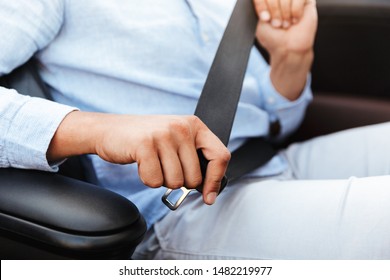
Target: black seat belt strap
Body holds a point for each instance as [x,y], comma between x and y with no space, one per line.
[219,99]
[218,102]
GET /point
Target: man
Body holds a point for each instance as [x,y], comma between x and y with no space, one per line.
[135,70]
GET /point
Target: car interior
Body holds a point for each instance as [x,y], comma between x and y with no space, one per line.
[60,216]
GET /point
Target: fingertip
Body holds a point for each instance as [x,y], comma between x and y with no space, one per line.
[265,16]
[210,198]
[277,23]
[297,9]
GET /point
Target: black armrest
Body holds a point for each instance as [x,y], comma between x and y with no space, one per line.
[46,216]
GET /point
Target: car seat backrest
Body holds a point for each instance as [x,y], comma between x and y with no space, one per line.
[351,69]
[26,81]
[352,49]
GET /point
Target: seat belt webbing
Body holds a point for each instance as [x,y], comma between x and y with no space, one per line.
[219,99]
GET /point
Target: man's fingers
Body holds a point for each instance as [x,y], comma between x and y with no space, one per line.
[149,167]
[212,183]
[262,10]
[177,153]
[297,9]
[171,167]
[217,155]
[285,6]
[276,14]
[280,13]
[190,165]
[170,157]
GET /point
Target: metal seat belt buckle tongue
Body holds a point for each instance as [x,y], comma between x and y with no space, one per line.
[185,192]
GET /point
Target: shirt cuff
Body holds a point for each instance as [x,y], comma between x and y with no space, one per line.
[288,113]
[32,124]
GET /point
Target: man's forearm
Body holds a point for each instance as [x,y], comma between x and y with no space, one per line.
[164,147]
[74,136]
[289,72]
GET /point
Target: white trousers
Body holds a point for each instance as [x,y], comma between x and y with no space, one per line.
[332,203]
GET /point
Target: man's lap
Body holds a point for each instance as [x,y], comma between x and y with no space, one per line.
[292,216]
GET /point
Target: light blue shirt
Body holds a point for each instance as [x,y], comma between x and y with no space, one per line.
[128,57]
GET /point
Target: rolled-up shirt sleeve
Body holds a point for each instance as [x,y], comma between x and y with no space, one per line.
[288,113]
[27,125]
